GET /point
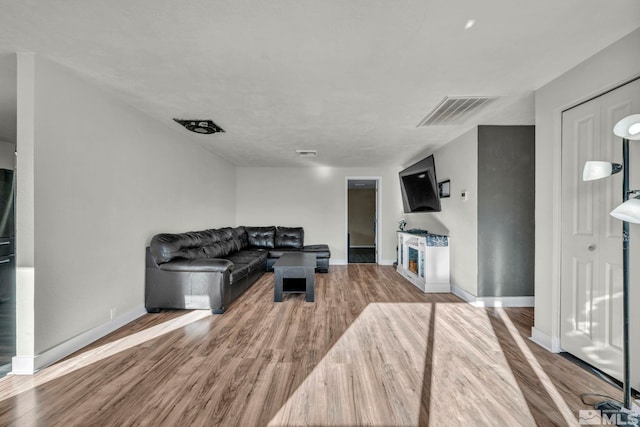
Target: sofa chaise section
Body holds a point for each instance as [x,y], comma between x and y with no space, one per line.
[281,240]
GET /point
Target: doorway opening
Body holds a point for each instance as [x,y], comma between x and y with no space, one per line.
[362,220]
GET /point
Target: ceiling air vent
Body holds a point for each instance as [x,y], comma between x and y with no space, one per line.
[307,153]
[200,126]
[454,109]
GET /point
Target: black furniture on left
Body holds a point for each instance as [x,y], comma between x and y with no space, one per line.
[209,269]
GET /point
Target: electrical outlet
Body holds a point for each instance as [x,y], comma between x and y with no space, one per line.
[464,194]
[113,312]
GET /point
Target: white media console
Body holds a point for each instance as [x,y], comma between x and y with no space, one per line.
[423,259]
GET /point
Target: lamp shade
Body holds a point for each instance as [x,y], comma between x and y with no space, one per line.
[596,170]
[628,211]
[628,128]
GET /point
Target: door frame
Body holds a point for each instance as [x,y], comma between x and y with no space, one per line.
[378,238]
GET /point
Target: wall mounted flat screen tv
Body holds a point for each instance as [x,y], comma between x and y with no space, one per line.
[419,187]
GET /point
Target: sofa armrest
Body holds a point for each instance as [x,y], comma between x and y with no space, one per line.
[198,265]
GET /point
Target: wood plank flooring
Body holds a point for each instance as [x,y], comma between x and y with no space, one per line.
[371,350]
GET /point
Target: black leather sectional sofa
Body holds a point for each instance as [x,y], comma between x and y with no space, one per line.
[211,268]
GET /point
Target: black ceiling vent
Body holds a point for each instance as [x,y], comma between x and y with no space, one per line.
[200,126]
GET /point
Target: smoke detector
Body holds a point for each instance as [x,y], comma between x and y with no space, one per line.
[200,126]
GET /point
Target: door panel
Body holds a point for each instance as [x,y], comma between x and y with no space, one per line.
[583,140]
[582,295]
[581,128]
[591,275]
[613,283]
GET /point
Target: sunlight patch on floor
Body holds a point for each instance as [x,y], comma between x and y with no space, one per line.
[371,376]
[552,391]
[381,371]
[471,379]
[13,385]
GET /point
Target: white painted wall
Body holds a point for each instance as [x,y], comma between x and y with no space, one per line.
[610,67]
[107,178]
[458,162]
[315,198]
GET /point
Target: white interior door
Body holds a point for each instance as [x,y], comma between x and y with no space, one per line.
[591,292]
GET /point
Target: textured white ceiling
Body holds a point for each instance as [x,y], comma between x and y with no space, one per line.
[351,79]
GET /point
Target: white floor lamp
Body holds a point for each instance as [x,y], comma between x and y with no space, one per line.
[629,211]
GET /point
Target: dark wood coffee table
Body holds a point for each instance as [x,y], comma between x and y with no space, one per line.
[295,272]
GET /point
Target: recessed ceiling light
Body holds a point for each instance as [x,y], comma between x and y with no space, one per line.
[470,23]
[307,153]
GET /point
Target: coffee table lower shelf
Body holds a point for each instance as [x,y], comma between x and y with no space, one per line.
[295,273]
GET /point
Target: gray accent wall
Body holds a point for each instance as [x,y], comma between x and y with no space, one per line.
[506,211]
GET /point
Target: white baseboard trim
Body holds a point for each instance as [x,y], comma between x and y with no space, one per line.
[492,301]
[344,262]
[461,293]
[29,365]
[23,365]
[545,340]
[442,288]
[504,302]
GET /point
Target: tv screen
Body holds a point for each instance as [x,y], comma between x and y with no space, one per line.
[419,187]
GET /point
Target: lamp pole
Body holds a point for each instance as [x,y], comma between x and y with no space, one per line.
[625,277]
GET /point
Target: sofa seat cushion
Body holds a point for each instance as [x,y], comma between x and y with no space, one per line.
[277,252]
[252,253]
[198,265]
[240,271]
[255,260]
[321,251]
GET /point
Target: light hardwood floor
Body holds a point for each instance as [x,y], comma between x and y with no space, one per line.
[371,350]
